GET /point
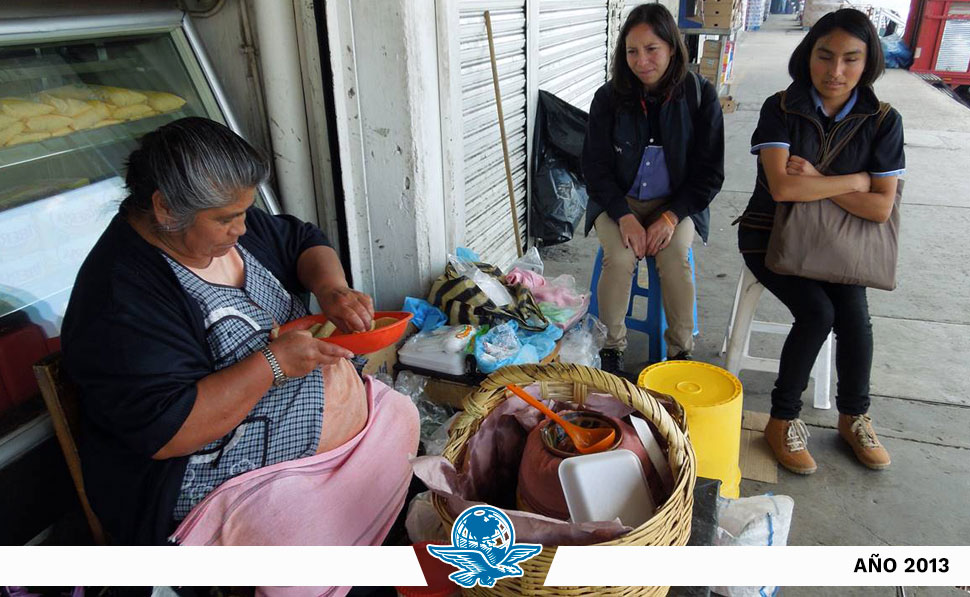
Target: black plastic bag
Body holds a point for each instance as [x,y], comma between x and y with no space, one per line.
[558,189]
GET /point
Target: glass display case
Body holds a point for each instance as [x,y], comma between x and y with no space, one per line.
[75,96]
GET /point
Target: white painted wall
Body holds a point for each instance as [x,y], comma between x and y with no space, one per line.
[389,130]
[279,59]
[223,36]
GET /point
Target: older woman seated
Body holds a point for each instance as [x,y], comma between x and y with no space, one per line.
[168,337]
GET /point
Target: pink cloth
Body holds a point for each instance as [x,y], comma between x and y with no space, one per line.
[560,290]
[357,491]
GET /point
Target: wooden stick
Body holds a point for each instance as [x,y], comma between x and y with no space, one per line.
[501,125]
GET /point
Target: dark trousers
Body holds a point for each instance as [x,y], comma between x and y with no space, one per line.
[819,307]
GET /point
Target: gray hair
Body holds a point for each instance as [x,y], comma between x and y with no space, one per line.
[196,164]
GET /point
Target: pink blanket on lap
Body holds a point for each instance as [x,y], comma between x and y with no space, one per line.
[350,495]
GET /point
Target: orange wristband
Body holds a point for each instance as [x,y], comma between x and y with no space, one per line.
[669,221]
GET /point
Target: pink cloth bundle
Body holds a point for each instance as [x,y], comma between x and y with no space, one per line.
[350,495]
[560,290]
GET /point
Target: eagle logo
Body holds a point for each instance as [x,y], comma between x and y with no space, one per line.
[483,548]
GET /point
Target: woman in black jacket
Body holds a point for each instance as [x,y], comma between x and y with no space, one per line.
[833,70]
[653,160]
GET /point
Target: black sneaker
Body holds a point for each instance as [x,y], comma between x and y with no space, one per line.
[683,355]
[611,361]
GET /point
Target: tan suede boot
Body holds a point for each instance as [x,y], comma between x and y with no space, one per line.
[857,431]
[789,442]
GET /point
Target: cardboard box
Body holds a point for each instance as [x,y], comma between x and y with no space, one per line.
[712,48]
[721,5]
[383,361]
[728,104]
[718,14]
[709,64]
[380,362]
[447,392]
[717,22]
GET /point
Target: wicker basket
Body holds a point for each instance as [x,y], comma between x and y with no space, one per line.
[572,383]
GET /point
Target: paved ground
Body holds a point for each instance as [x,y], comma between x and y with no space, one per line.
[921,405]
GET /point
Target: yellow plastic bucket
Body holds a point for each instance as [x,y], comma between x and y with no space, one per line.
[712,399]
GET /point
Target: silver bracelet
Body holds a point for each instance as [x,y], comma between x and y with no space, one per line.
[279,378]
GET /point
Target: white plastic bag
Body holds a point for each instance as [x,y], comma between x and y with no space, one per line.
[530,262]
[492,288]
[759,520]
[422,521]
[447,338]
[581,344]
[438,439]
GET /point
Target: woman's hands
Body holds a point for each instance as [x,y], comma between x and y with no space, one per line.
[646,241]
[799,166]
[319,270]
[633,234]
[299,353]
[349,310]
[660,232]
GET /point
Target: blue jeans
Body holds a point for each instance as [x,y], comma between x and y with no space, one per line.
[819,307]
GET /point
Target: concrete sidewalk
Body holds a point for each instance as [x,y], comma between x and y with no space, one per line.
[921,404]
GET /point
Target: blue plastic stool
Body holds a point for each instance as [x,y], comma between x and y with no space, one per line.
[655,324]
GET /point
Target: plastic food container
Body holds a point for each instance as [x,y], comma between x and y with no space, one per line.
[606,486]
[442,350]
[712,400]
[360,342]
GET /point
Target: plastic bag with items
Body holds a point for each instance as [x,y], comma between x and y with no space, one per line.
[491,286]
[431,414]
[582,344]
[506,345]
[761,520]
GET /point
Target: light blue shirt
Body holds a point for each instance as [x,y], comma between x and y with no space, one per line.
[817,100]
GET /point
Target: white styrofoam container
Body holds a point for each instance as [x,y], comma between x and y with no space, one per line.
[606,486]
[442,350]
[452,363]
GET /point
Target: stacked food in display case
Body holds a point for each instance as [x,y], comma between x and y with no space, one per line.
[72,108]
[75,97]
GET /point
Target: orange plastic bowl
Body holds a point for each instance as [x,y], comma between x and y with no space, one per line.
[360,342]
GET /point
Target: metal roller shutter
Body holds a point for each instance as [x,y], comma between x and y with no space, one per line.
[573,48]
[488,219]
[954,52]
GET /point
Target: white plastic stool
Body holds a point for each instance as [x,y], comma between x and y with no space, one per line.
[737,339]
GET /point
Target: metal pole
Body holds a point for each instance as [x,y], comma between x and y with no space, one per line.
[501,125]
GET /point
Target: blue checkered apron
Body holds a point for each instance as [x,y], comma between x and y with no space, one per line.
[285,423]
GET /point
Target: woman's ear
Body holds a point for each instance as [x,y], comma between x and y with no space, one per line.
[163,215]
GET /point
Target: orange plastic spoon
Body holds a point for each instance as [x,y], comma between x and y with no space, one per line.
[587,441]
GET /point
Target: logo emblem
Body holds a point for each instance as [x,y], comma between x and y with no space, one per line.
[483,548]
